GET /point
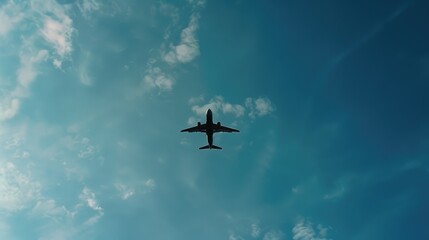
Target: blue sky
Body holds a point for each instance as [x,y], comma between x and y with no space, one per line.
[330,98]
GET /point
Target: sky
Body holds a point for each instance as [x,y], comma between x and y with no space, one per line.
[330,97]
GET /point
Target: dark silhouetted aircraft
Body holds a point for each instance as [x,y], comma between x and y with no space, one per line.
[209,128]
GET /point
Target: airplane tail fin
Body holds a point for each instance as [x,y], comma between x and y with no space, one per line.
[208,147]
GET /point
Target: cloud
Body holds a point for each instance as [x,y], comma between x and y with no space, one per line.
[51,28]
[259,107]
[9,108]
[10,16]
[273,235]
[48,208]
[156,78]
[256,107]
[188,48]
[369,35]
[18,190]
[27,73]
[88,197]
[124,190]
[88,6]
[304,230]
[233,236]
[58,33]
[217,104]
[128,190]
[255,231]
[185,51]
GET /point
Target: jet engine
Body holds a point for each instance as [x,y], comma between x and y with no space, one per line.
[199,124]
[218,124]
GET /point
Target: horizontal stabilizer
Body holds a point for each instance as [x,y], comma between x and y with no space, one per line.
[208,147]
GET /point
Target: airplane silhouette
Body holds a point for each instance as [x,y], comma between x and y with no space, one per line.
[209,128]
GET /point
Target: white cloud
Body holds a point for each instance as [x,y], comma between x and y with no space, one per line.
[17,190]
[58,33]
[124,190]
[341,187]
[218,104]
[52,25]
[256,230]
[10,16]
[304,230]
[88,197]
[256,107]
[185,51]
[128,190]
[155,78]
[48,208]
[8,108]
[88,6]
[233,236]
[273,235]
[150,185]
[188,48]
[259,107]
[27,73]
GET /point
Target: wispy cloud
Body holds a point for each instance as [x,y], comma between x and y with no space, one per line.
[87,196]
[88,6]
[256,107]
[273,235]
[18,190]
[156,77]
[217,104]
[304,230]
[127,190]
[188,48]
[48,208]
[58,33]
[48,37]
[255,230]
[10,15]
[259,107]
[376,29]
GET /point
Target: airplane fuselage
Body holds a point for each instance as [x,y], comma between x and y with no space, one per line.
[209,127]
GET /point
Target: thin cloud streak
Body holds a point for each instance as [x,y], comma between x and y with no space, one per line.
[369,35]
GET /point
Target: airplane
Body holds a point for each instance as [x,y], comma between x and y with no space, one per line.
[209,128]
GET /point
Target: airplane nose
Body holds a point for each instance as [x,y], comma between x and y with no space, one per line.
[209,111]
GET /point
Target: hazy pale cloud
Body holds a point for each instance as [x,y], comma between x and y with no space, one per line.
[218,104]
[58,33]
[156,78]
[89,198]
[52,25]
[256,107]
[130,189]
[273,235]
[304,230]
[124,190]
[259,107]
[8,108]
[27,72]
[88,6]
[48,208]
[188,48]
[17,189]
[10,16]
[255,231]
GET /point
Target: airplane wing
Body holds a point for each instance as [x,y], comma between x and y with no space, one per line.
[218,128]
[199,128]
